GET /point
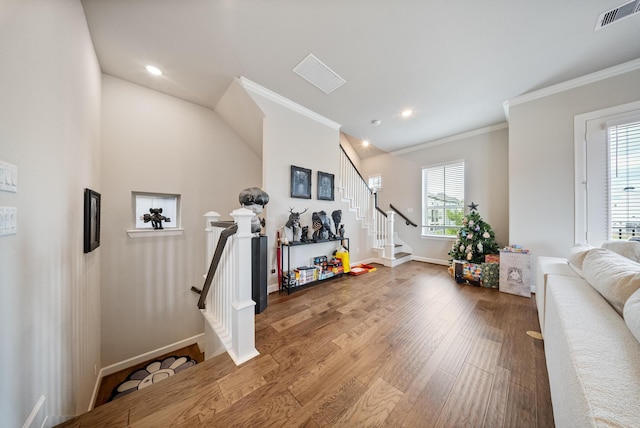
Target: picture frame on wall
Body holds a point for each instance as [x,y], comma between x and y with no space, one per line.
[300,182]
[91,220]
[325,186]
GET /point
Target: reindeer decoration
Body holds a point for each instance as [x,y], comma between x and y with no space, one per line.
[294,223]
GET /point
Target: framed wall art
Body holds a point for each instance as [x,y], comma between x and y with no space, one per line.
[325,186]
[91,220]
[300,182]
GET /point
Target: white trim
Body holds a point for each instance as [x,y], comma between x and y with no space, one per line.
[253,87]
[468,134]
[430,260]
[439,237]
[580,178]
[573,83]
[141,233]
[34,413]
[113,368]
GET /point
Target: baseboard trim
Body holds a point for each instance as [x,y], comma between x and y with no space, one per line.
[114,368]
[430,260]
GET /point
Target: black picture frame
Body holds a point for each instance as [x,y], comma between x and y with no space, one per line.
[91,220]
[325,186]
[300,182]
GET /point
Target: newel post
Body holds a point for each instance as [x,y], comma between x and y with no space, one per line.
[389,245]
[243,317]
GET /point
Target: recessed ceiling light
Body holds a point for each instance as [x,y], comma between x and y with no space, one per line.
[376,122]
[153,70]
[365,143]
[407,113]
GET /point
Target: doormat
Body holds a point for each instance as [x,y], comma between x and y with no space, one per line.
[154,372]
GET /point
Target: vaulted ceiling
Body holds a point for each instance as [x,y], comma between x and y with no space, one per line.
[453,63]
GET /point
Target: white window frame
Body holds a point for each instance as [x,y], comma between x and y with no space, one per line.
[140,207]
[592,222]
[426,215]
[375,182]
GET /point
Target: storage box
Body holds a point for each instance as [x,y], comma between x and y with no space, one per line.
[306,274]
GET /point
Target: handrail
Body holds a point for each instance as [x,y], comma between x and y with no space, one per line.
[231,228]
[356,169]
[380,210]
[407,221]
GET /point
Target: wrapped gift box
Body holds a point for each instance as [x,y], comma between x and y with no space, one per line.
[516,276]
[490,275]
[492,258]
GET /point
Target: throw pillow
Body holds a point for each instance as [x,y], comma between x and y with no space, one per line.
[632,314]
[615,277]
[576,256]
[629,249]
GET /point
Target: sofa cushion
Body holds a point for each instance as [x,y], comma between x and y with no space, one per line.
[593,360]
[547,266]
[632,314]
[628,249]
[615,277]
[576,256]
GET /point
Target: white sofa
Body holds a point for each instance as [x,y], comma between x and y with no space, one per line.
[589,310]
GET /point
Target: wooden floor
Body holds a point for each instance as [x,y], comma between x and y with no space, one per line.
[397,347]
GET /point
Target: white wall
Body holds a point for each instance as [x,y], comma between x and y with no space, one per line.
[50,289]
[157,143]
[541,161]
[486,183]
[292,138]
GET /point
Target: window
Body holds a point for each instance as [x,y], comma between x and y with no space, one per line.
[607,168]
[375,182]
[624,179]
[170,205]
[442,199]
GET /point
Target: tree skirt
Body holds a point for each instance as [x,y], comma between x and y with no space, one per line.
[154,372]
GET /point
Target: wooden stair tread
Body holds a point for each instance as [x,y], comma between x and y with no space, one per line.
[402,254]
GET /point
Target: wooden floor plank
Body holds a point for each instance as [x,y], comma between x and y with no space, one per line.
[467,402]
[404,346]
[373,407]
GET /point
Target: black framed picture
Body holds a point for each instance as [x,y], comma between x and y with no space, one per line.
[300,182]
[325,186]
[91,220]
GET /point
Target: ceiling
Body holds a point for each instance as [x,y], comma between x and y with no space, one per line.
[452,63]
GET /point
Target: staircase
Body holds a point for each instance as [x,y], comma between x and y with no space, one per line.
[363,201]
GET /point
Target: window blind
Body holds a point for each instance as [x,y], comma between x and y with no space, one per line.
[442,198]
[624,176]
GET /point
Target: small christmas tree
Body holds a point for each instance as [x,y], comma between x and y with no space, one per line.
[475,239]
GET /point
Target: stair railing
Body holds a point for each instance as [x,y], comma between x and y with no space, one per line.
[404,217]
[225,300]
[364,201]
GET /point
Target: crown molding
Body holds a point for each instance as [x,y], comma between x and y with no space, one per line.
[587,79]
[253,87]
[452,138]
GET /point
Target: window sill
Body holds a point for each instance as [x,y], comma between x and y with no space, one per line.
[141,233]
[444,237]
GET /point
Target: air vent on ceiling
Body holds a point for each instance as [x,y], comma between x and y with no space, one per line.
[319,75]
[618,13]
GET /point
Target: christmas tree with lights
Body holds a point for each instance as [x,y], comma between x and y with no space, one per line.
[475,239]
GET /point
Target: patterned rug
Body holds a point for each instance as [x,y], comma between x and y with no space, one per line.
[154,372]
